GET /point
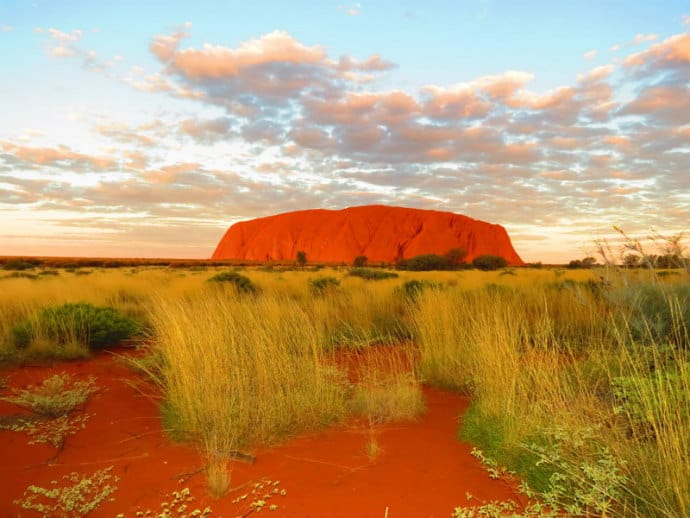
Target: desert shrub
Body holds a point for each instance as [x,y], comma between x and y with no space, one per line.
[654,312]
[372,275]
[239,281]
[21,275]
[301,258]
[489,262]
[93,326]
[76,495]
[411,289]
[645,399]
[322,285]
[587,262]
[56,396]
[360,261]
[425,262]
[21,264]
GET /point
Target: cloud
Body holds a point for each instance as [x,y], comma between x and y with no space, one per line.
[6,28]
[643,38]
[276,124]
[671,54]
[590,54]
[215,61]
[662,105]
[62,44]
[164,46]
[353,10]
[685,19]
[459,102]
[60,156]
[206,130]
[596,74]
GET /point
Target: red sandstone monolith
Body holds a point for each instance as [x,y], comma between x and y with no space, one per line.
[381,233]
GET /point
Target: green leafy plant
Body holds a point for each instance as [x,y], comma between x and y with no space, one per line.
[92,326]
[586,478]
[648,400]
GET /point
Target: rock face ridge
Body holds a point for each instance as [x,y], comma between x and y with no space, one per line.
[379,232]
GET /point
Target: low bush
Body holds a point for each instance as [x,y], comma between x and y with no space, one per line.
[239,281]
[425,263]
[411,289]
[92,326]
[56,396]
[489,262]
[654,312]
[321,285]
[21,275]
[21,264]
[360,261]
[372,275]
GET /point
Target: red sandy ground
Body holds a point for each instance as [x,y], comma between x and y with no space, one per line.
[422,470]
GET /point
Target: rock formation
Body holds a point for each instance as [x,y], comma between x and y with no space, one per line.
[379,232]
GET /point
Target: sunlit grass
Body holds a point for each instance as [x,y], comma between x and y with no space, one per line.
[544,354]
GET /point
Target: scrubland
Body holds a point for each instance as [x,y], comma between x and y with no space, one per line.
[580,380]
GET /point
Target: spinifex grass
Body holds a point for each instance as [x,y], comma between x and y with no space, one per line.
[559,361]
[237,372]
[386,387]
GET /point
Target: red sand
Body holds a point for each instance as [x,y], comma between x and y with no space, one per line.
[422,470]
[378,232]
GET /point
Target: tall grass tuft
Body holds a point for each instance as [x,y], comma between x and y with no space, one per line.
[236,372]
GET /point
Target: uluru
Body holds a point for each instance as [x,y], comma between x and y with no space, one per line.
[381,233]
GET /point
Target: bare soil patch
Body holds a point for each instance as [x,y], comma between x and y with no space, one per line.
[422,470]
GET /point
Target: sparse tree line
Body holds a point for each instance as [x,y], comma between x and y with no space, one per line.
[453,259]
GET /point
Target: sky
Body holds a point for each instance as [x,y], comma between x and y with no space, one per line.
[138,128]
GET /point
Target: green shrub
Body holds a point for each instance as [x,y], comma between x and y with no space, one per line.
[321,285]
[372,275]
[425,263]
[411,289]
[655,313]
[93,326]
[21,264]
[646,400]
[360,261]
[21,275]
[488,262]
[241,282]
